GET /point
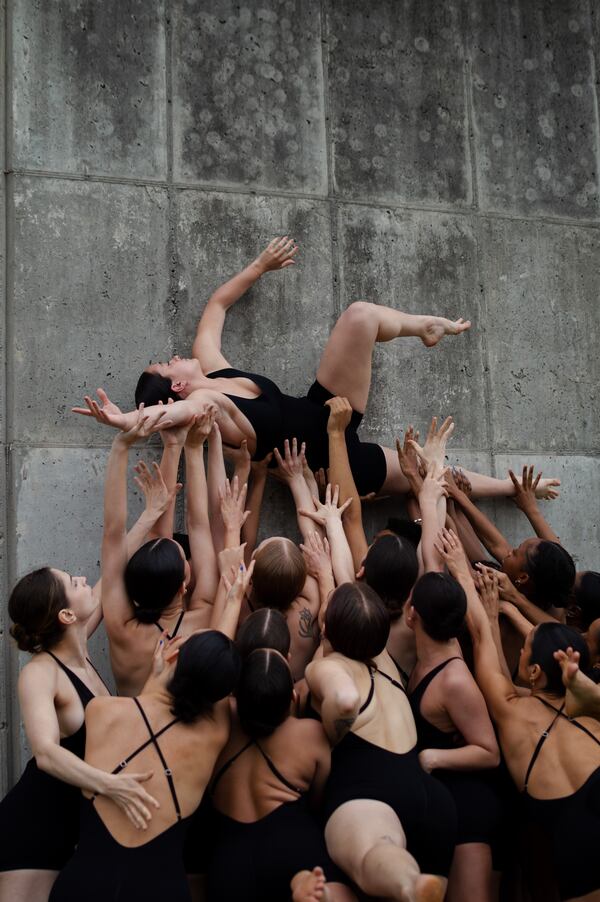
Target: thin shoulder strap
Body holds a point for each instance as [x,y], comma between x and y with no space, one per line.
[166,768]
[175,631]
[541,742]
[402,672]
[369,697]
[123,764]
[571,720]
[222,770]
[275,771]
[99,675]
[391,680]
[84,692]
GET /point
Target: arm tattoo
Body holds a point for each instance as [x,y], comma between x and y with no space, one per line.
[342,725]
[306,624]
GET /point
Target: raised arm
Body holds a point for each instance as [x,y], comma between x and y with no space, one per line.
[173,441]
[526,500]
[340,473]
[336,693]
[233,513]
[216,481]
[204,559]
[510,593]
[38,691]
[491,537]
[318,564]
[259,470]
[329,516]
[278,254]
[433,516]
[290,470]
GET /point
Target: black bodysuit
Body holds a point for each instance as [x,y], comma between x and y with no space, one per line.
[477,793]
[275,417]
[573,822]
[102,869]
[255,862]
[362,770]
[39,818]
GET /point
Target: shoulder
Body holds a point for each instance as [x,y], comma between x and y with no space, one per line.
[456,674]
[40,671]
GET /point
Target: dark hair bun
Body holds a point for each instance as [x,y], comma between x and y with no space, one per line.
[30,642]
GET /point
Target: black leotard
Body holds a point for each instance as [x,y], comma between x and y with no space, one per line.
[477,793]
[573,822]
[39,818]
[103,869]
[275,417]
[254,862]
[362,770]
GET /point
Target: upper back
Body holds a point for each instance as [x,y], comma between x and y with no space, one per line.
[116,729]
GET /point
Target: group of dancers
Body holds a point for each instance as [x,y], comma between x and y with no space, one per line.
[410,719]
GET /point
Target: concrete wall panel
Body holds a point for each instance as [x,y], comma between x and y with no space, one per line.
[90,290]
[542,327]
[418,263]
[535,108]
[397,101]
[280,327]
[573,516]
[248,95]
[90,87]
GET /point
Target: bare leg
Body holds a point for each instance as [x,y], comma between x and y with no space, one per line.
[366,840]
[311,886]
[345,367]
[471,874]
[26,885]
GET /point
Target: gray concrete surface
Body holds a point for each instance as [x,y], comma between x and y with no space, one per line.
[429,156]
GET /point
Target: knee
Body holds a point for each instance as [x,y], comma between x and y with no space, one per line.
[358,315]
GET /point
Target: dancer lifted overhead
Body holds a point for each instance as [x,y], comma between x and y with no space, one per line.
[252,407]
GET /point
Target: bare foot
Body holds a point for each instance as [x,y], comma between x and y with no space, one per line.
[309,886]
[430,888]
[545,489]
[437,326]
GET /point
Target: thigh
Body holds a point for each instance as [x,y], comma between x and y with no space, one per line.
[26,885]
[345,366]
[355,827]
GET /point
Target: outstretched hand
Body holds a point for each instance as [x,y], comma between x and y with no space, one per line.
[291,465]
[453,554]
[317,555]
[434,486]
[106,412]
[154,488]
[340,414]
[407,455]
[329,510]
[583,695]
[279,254]
[433,451]
[233,500]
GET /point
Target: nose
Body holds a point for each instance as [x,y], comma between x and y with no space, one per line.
[175,358]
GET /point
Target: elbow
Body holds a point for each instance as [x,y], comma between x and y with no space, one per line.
[347,702]
[43,758]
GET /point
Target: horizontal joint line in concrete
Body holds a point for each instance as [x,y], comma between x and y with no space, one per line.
[467,212]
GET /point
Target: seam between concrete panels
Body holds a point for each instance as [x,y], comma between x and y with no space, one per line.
[336,276]
[485,351]
[594,87]
[341,201]
[172,205]
[471,143]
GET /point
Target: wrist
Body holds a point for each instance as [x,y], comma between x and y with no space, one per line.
[257,268]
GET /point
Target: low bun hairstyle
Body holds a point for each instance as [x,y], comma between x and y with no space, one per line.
[391,568]
[551,637]
[264,693]
[441,604]
[551,571]
[207,670]
[152,388]
[33,606]
[265,628]
[279,574]
[153,577]
[357,623]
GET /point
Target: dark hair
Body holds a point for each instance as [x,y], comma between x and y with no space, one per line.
[152,388]
[264,692]
[357,623]
[587,597]
[405,529]
[265,628]
[552,573]
[153,576]
[183,539]
[279,574]
[550,637]
[391,568]
[207,670]
[441,604]
[33,607]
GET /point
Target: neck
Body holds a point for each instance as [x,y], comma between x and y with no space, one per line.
[432,652]
[72,648]
[175,607]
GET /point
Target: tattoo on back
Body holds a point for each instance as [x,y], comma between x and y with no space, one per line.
[306,627]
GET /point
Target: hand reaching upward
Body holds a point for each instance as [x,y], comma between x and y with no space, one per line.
[279,254]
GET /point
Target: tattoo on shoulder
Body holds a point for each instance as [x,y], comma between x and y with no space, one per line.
[306,626]
[341,725]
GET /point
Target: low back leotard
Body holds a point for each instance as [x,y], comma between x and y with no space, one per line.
[267,852]
[362,770]
[175,631]
[275,416]
[573,821]
[478,794]
[39,818]
[103,869]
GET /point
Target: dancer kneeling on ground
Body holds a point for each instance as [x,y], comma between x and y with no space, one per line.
[390,826]
[252,408]
[175,729]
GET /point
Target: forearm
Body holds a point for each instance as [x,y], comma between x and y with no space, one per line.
[141,528]
[491,537]
[115,490]
[226,615]
[469,757]
[497,637]
[216,481]
[250,527]
[204,558]
[231,291]
[341,556]
[303,501]
[518,620]
[531,611]
[467,535]
[169,467]
[59,762]
[412,507]
[340,474]
[540,525]
[430,526]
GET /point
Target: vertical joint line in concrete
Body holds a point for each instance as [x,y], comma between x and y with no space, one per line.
[485,354]
[594,86]
[333,207]
[168,22]
[172,253]
[468,88]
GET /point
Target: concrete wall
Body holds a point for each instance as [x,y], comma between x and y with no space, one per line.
[432,156]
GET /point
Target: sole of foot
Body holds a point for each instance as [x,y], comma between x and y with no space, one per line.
[436,327]
[310,886]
